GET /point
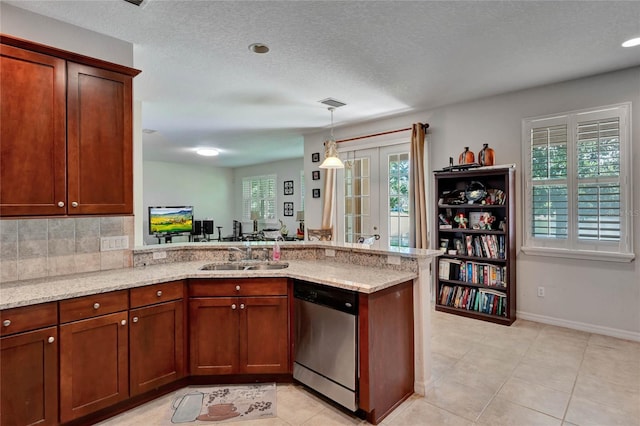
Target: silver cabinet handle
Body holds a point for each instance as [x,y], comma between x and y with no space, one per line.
[51,339]
[237,288]
[233,306]
[123,322]
[159,293]
[242,306]
[74,204]
[96,306]
[60,203]
[134,319]
[6,323]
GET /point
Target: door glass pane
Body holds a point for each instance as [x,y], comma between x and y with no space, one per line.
[398,202]
[357,203]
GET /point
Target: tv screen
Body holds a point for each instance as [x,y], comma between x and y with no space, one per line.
[170,220]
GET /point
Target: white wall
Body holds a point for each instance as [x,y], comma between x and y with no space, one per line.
[51,32]
[590,295]
[208,189]
[285,170]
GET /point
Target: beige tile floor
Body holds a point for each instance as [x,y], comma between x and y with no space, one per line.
[486,374]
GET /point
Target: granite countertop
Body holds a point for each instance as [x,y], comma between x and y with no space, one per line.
[352,277]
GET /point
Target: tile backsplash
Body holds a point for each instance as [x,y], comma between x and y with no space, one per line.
[36,248]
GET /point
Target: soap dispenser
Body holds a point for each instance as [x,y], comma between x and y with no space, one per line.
[276,251]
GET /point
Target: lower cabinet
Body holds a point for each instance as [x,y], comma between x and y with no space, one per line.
[29,365]
[157,346]
[94,365]
[239,326]
[29,378]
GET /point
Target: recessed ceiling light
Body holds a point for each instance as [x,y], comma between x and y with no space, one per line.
[632,42]
[207,152]
[258,48]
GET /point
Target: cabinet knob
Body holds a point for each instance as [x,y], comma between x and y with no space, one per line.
[237,288]
[51,339]
[96,306]
[134,319]
[123,322]
[233,306]
[242,306]
[159,293]
[74,204]
[6,323]
[60,203]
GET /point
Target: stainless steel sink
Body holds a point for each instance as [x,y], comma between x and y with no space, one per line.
[223,267]
[269,266]
[243,266]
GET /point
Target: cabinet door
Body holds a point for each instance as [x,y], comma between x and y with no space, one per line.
[93,365]
[213,335]
[33,149]
[264,335]
[99,141]
[156,350]
[29,379]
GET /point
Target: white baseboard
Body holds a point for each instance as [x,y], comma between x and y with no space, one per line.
[590,328]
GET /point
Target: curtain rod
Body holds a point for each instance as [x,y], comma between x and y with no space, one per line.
[425,126]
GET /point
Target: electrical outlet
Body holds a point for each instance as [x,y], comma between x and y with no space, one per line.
[540,291]
[159,255]
[393,260]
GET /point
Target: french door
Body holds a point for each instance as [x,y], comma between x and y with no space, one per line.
[373,196]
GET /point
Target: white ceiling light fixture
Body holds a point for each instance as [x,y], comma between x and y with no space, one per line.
[259,48]
[207,152]
[632,42]
[331,159]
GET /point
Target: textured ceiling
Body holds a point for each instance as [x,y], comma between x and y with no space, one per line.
[201,86]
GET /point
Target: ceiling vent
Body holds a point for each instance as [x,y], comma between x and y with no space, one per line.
[332,102]
[135,2]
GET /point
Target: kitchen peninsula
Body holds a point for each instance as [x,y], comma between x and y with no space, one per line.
[167,283]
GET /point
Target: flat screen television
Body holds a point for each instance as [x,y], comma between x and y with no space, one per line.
[170,220]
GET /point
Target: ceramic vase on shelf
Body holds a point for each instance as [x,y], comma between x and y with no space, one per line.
[467,157]
[486,156]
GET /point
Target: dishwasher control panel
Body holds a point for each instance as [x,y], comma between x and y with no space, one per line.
[335,298]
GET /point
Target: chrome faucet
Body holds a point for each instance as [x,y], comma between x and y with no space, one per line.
[246,250]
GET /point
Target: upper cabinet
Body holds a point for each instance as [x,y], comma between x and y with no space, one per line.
[66,133]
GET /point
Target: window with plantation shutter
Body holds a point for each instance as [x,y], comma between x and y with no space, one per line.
[259,197]
[577,184]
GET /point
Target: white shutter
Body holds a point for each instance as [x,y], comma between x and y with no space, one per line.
[259,196]
[598,167]
[549,198]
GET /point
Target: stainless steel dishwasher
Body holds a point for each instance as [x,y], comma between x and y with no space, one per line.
[326,341]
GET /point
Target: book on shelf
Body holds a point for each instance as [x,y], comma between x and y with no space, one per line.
[485,301]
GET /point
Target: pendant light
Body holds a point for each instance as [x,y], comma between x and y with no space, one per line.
[331,159]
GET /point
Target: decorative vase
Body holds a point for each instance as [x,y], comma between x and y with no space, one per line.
[486,156]
[467,157]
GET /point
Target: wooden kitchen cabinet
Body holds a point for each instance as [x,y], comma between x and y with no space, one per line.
[157,345]
[94,367]
[67,125]
[29,366]
[239,326]
[33,133]
[386,353]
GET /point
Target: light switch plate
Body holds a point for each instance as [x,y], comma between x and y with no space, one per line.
[114,243]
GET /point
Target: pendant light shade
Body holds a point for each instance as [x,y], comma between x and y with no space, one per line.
[331,159]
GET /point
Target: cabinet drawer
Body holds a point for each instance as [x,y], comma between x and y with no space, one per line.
[93,306]
[156,293]
[26,318]
[238,287]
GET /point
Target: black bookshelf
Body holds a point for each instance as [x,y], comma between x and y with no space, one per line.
[476,275]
